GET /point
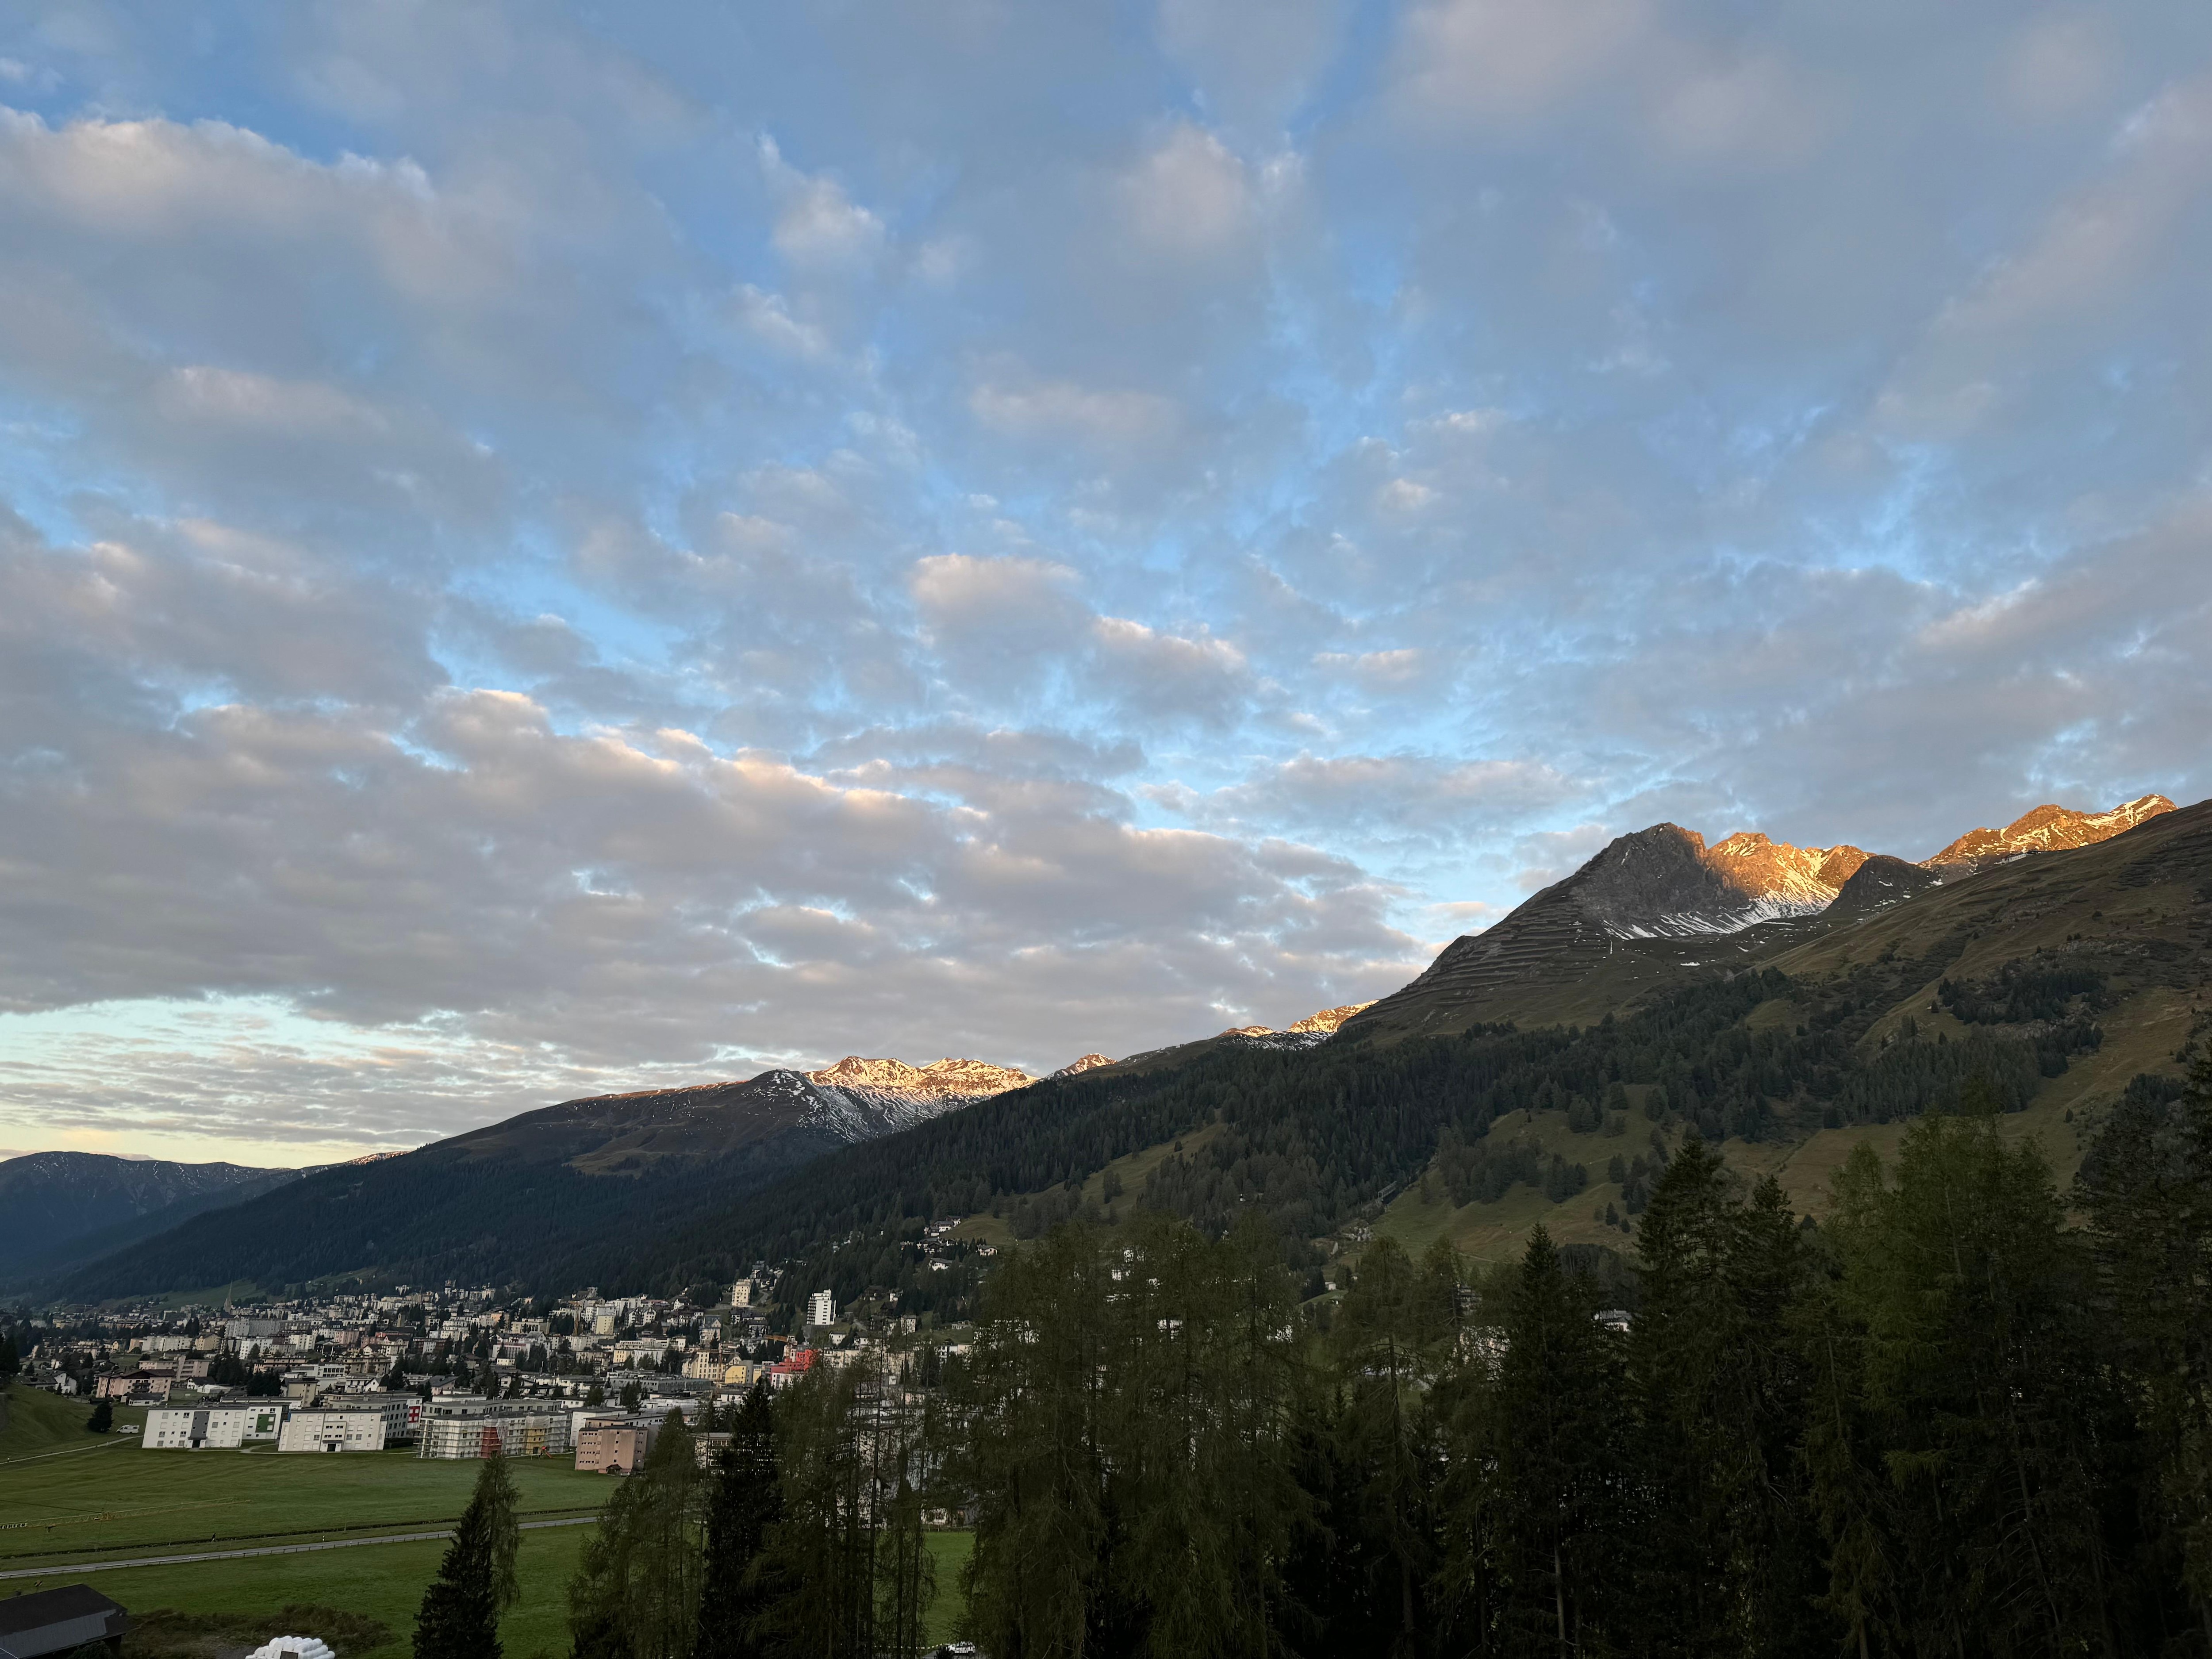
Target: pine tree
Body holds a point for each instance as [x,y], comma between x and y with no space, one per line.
[1986,1403]
[460,1615]
[1555,1444]
[745,1501]
[103,1416]
[1728,1550]
[2147,1185]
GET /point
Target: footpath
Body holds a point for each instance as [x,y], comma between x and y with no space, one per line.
[66,1568]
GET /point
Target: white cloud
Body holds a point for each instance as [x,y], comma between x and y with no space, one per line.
[818,228]
[1189,199]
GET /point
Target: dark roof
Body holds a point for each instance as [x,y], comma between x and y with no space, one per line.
[41,1607]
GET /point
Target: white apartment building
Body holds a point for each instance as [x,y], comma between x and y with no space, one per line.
[331,1431]
[180,1428]
[821,1309]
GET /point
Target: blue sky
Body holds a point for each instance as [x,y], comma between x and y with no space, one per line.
[546,550]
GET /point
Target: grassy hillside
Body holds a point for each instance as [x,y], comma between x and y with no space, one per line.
[34,1424]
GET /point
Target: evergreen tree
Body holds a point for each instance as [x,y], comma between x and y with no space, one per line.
[1032,1452]
[495,1491]
[1728,1556]
[745,1500]
[1985,1399]
[2147,1185]
[103,1417]
[460,1615]
[1554,1442]
[1385,1351]
[635,1594]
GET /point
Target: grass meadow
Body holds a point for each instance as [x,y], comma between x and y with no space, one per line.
[67,1497]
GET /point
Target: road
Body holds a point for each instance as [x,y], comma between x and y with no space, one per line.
[64,1568]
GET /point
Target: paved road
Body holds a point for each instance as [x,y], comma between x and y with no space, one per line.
[271,1549]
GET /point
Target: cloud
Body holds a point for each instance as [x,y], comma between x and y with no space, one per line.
[1485,60]
[818,228]
[1189,199]
[546,552]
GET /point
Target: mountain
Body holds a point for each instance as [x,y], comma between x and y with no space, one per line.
[2046,830]
[1654,906]
[59,1207]
[551,1185]
[780,1116]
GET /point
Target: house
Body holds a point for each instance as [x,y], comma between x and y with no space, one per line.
[135,1390]
[181,1428]
[60,1621]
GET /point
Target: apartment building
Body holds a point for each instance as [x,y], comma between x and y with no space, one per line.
[180,1428]
[343,1430]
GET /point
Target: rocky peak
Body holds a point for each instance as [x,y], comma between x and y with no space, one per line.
[970,1078]
[1806,877]
[1328,1018]
[854,1072]
[1088,1063]
[2045,829]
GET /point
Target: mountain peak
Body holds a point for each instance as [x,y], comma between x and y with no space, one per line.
[968,1078]
[1328,1018]
[2046,828]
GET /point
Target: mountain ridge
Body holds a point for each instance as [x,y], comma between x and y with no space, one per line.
[1657,903]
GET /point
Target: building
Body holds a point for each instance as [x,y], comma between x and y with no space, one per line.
[787,1371]
[60,1621]
[402,1414]
[517,1432]
[181,1428]
[135,1390]
[331,1431]
[821,1309]
[614,1445]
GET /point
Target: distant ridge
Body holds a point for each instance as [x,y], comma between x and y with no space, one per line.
[59,1208]
[2047,828]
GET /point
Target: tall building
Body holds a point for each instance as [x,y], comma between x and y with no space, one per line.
[821,1309]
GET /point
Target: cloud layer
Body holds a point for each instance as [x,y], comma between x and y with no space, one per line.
[542,552]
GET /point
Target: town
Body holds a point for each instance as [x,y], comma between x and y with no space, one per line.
[459,1372]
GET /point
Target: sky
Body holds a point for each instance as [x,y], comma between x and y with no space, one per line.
[547,549]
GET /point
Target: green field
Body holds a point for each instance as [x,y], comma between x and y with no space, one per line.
[382,1581]
[68,1497]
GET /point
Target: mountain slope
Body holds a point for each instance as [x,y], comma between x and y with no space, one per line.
[59,1206]
[1654,907]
